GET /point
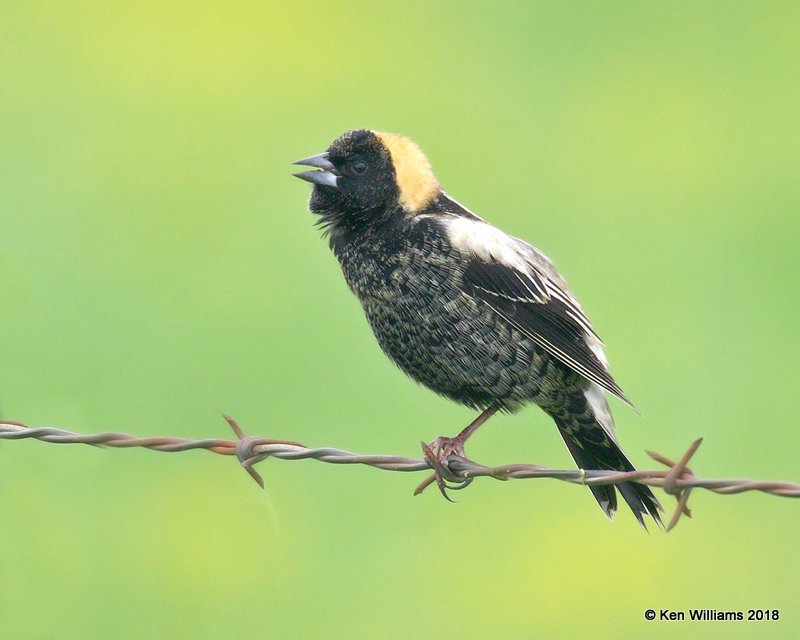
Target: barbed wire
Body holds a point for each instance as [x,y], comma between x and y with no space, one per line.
[677,479]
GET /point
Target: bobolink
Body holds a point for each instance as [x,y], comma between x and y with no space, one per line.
[463,308]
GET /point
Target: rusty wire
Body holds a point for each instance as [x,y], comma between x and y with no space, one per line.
[676,480]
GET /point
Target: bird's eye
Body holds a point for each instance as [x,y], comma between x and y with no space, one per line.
[359,167]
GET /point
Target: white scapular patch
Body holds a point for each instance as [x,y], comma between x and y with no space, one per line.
[486,242]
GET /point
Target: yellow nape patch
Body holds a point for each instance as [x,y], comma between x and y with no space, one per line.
[418,186]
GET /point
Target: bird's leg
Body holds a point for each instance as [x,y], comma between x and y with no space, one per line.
[439,450]
[443,447]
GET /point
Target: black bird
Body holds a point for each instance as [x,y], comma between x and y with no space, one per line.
[463,308]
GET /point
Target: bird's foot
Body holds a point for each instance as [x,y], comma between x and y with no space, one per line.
[444,447]
[438,453]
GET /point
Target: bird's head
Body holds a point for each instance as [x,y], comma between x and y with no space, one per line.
[368,174]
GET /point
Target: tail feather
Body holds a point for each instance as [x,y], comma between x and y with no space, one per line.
[593,448]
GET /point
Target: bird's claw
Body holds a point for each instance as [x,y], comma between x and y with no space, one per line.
[437,453]
[444,447]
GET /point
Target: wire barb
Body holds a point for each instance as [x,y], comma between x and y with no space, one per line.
[678,470]
[455,473]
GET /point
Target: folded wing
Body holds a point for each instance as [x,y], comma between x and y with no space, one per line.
[521,285]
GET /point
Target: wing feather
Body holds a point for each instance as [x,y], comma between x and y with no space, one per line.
[521,285]
[539,308]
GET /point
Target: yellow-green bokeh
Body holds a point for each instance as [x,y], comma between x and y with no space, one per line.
[158,267]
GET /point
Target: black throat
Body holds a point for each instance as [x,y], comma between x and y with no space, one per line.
[355,227]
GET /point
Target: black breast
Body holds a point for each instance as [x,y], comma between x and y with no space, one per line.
[409,280]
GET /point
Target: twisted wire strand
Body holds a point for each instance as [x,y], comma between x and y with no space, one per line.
[457,473]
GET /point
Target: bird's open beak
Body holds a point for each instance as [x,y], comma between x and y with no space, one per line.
[326,176]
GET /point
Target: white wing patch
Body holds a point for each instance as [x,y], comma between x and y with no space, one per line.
[486,242]
[532,271]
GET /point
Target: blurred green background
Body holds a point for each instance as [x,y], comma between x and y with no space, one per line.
[158,266]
